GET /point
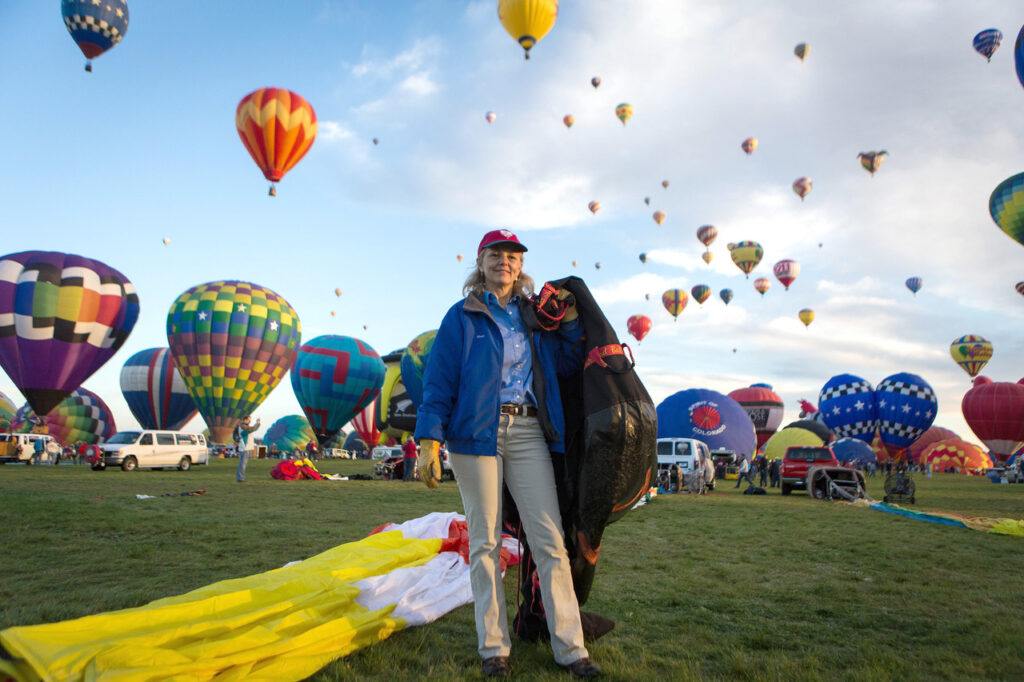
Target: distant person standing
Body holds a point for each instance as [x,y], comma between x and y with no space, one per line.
[409,454]
[244,442]
[38,448]
[773,473]
[762,470]
[743,472]
[311,451]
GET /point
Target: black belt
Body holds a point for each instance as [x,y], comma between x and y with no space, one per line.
[519,409]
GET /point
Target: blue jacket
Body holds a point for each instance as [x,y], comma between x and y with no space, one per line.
[462,381]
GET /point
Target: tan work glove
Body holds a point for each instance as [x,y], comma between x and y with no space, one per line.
[570,312]
[428,464]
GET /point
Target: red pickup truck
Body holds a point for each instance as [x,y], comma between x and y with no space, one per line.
[799,459]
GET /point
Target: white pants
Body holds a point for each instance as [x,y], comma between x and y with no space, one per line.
[523,462]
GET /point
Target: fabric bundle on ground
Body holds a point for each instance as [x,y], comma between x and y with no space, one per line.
[1001,526]
[284,624]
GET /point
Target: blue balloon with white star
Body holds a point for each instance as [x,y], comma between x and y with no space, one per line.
[847,405]
[906,408]
[95,26]
[852,451]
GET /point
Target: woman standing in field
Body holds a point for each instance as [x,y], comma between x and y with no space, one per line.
[490,391]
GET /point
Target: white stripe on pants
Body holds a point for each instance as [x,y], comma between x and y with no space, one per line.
[523,462]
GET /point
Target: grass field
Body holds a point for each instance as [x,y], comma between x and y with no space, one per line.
[724,586]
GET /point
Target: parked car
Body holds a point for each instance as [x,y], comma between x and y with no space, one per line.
[153,450]
[689,455]
[19,447]
[799,459]
[389,464]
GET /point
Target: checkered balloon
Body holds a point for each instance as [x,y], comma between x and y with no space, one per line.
[847,404]
[82,416]
[61,317]
[95,26]
[906,409]
[334,378]
[233,342]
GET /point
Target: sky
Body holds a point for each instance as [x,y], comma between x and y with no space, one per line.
[107,164]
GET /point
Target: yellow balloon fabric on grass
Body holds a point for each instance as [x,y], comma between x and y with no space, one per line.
[284,624]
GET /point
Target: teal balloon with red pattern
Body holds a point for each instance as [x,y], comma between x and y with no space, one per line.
[334,377]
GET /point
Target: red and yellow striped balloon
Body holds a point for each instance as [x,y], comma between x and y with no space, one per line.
[278,127]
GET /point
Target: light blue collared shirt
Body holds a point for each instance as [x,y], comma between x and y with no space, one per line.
[517,362]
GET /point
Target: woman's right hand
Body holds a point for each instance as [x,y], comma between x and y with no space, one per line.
[428,463]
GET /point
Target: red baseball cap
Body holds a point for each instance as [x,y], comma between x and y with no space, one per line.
[499,237]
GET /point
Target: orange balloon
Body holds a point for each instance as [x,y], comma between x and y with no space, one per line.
[277,127]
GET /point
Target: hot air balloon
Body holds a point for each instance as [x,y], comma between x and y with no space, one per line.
[624,112]
[725,295]
[932,435]
[638,326]
[155,391]
[594,206]
[995,412]
[595,81]
[1006,205]
[166,240]
[749,145]
[333,313]
[277,127]
[568,120]
[647,297]
[987,42]
[674,301]
[664,183]
[458,257]
[647,201]
[334,378]
[574,263]
[802,187]
[906,407]
[338,292]
[95,27]
[706,234]
[1018,56]
[527,20]
[801,50]
[376,141]
[746,255]
[61,317]
[643,257]
[853,452]
[806,316]
[700,293]
[707,256]
[847,404]
[659,217]
[597,266]
[1019,286]
[971,352]
[365,424]
[82,416]
[490,116]
[762,284]
[954,455]
[289,433]
[708,416]
[871,161]
[414,363]
[914,284]
[764,407]
[791,436]
[7,411]
[233,342]
[786,270]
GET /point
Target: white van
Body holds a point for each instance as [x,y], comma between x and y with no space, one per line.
[153,449]
[21,447]
[688,454]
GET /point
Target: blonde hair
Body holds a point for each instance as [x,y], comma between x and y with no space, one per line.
[476,282]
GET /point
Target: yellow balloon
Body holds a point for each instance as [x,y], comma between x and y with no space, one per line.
[707,256]
[806,316]
[527,20]
[793,436]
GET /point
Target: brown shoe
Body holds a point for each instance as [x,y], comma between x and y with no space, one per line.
[496,666]
[583,669]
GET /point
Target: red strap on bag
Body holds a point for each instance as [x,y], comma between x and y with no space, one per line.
[597,355]
[549,310]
